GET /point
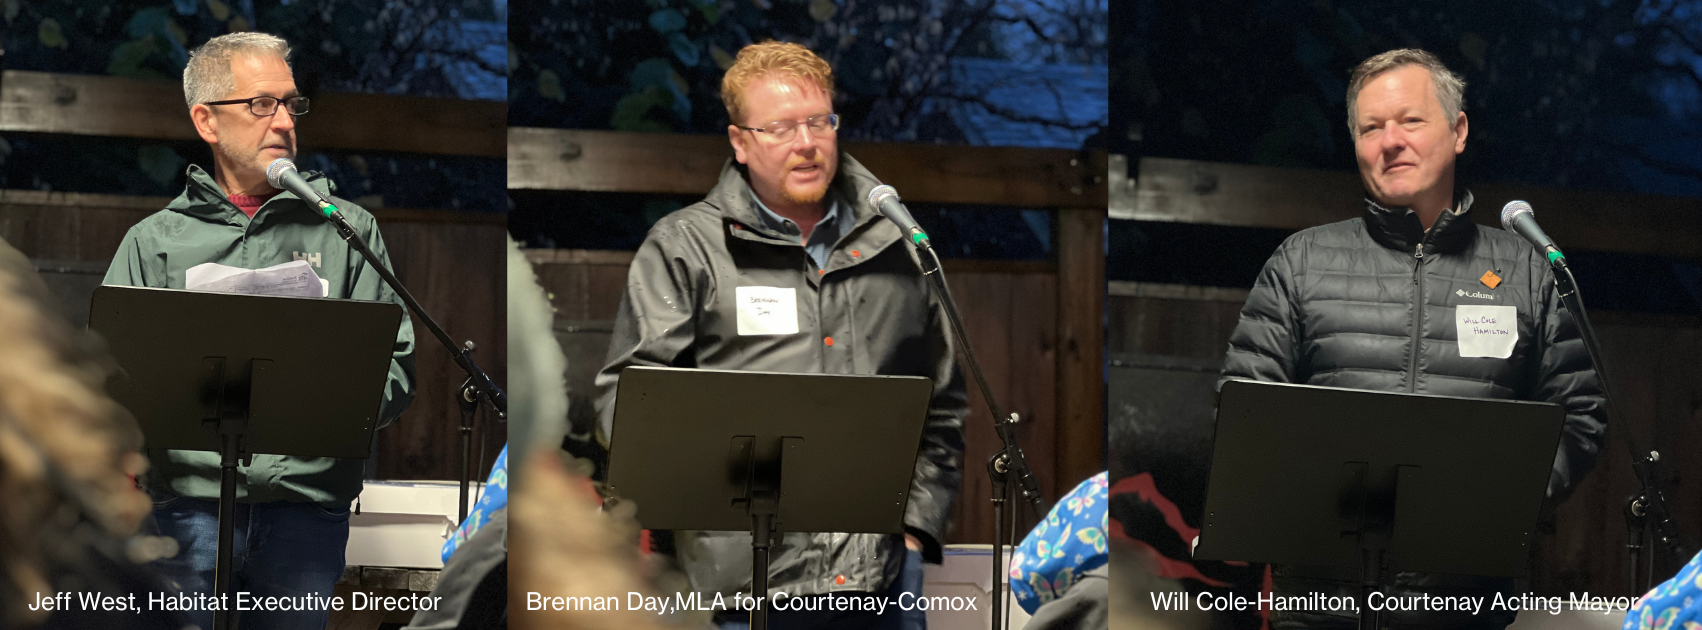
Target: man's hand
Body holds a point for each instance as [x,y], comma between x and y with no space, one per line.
[912,543]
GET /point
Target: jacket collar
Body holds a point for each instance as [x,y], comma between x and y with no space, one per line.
[732,196]
[1399,228]
[203,199]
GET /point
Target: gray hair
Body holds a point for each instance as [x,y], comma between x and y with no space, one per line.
[1450,88]
[208,76]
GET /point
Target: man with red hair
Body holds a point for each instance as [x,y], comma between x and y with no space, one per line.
[790,221]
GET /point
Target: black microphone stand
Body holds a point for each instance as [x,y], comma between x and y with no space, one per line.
[1004,467]
[478,386]
[1648,505]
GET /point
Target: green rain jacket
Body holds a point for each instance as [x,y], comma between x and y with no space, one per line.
[201,226]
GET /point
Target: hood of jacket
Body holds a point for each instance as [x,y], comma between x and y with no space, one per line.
[204,199]
[732,195]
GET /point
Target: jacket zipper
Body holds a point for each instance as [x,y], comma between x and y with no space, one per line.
[1417,315]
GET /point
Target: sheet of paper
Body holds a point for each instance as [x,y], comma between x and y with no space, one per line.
[1486,331]
[767,310]
[292,278]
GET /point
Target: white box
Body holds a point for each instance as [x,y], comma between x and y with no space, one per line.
[1569,620]
[968,572]
[404,523]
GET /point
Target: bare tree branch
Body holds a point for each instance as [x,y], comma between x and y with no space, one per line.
[1016,116]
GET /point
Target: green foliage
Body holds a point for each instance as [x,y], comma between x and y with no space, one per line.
[634,111]
[51,34]
[657,65]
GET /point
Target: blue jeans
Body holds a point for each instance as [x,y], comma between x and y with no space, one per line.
[281,549]
[910,581]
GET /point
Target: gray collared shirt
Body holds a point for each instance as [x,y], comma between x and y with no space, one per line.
[832,225]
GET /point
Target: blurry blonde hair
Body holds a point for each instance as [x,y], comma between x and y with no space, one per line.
[772,59]
[59,435]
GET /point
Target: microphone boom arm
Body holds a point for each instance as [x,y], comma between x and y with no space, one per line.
[479,385]
[1027,485]
[1642,460]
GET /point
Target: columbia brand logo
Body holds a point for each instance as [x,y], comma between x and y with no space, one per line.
[1474,294]
[312,258]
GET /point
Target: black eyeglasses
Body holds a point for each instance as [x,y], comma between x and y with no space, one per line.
[783,130]
[264,106]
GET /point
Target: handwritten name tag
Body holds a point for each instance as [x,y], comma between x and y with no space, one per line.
[1486,331]
[767,310]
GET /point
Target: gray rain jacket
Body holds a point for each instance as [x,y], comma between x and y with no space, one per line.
[870,300]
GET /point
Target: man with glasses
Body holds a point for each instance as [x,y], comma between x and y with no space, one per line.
[292,517]
[790,224]
[1387,301]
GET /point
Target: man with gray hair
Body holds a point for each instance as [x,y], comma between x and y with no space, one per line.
[292,517]
[1380,303]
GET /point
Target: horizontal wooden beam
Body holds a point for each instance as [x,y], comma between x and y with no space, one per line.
[93,105]
[1294,199]
[622,258]
[611,161]
[145,205]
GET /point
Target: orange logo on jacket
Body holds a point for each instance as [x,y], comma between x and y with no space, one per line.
[1489,279]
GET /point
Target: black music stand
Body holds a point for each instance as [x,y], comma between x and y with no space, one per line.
[765,452]
[242,375]
[1347,478]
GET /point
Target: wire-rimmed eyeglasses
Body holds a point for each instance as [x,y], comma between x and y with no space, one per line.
[785,130]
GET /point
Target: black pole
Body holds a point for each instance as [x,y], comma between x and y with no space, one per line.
[761,532]
[229,453]
[467,400]
[1010,541]
[1371,565]
[1653,498]
[227,416]
[998,472]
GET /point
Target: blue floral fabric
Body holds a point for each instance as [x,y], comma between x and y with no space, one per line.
[1069,542]
[1674,605]
[495,497]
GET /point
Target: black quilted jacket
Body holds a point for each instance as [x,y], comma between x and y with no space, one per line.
[1369,303]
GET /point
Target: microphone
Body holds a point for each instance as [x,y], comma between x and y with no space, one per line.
[1518,217]
[281,174]
[885,198]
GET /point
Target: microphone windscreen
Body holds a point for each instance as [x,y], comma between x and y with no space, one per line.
[881,193]
[275,171]
[1512,211]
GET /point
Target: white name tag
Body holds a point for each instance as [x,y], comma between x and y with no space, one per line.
[767,310]
[1486,331]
